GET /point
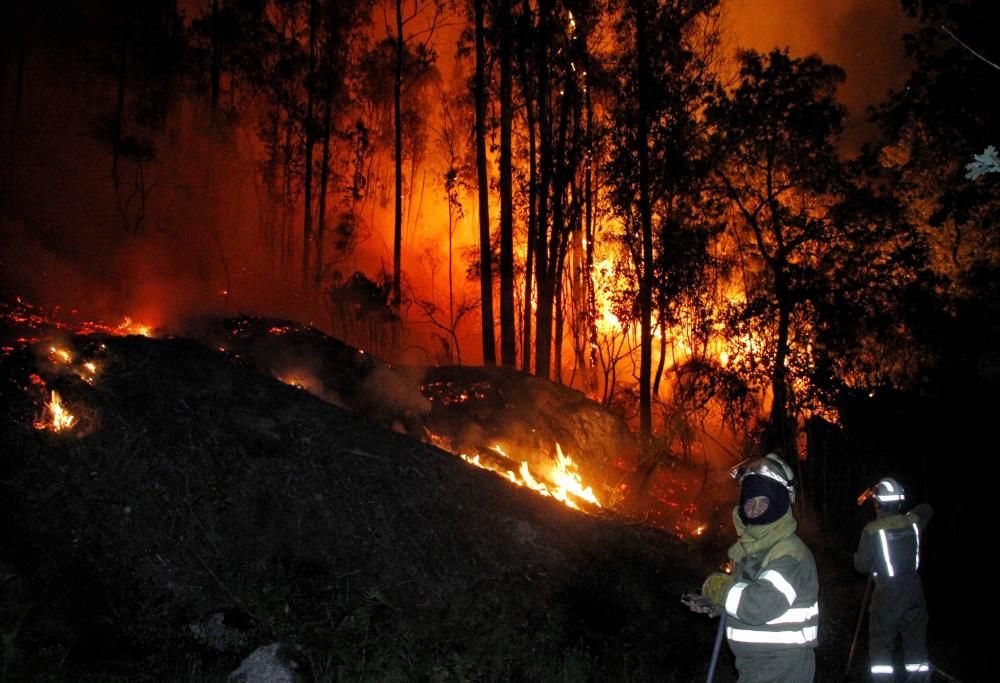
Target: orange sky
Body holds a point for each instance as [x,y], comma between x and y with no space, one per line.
[864,37]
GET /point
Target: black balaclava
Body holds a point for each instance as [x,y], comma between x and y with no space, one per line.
[754,485]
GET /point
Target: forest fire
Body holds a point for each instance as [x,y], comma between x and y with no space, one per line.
[307,359]
[562,482]
[655,236]
[507,422]
[36,325]
[47,332]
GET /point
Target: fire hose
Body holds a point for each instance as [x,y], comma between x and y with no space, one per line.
[701,604]
[942,674]
[716,647]
[857,629]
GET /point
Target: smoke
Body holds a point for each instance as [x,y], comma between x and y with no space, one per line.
[180,236]
[862,37]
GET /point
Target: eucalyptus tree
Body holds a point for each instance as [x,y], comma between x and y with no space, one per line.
[411,35]
[660,152]
[504,21]
[778,129]
[141,47]
[485,255]
[291,63]
[552,39]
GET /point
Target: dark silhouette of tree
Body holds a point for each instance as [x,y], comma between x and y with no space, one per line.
[778,128]
[508,343]
[524,36]
[555,41]
[663,81]
[140,46]
[414,58]
[483,186]
[934,126]
[291,64]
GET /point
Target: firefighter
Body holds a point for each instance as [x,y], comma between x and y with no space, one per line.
[771,599]
[889,551]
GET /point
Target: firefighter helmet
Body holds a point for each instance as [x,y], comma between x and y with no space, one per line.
[770,466]
[888,493]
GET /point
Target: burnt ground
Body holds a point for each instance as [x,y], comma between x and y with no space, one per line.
[199,509]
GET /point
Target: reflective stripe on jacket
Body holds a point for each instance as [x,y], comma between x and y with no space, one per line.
[890,545]
[775,600]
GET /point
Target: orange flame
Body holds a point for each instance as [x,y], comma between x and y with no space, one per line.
[85,370]
[128,326]
[57,354]
[59,418]
[562,482]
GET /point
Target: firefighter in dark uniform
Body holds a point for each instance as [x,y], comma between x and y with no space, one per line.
[889,551]
[771,601]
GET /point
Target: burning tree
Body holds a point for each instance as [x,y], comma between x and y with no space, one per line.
[780,171]
[660,155]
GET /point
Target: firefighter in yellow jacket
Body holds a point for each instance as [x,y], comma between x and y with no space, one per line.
[889,551]
[771,599]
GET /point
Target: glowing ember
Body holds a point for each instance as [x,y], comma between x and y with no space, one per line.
[296,381]
[58,418]
[36,324]
[60,355]
[88,372]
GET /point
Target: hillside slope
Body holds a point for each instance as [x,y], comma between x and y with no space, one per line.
[193,493]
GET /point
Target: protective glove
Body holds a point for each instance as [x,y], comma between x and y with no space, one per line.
[700,604]
[716,586]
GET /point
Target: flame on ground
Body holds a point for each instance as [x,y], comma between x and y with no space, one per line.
[128,326]
[85,370]
[38,324]
[563,481]
[56,418]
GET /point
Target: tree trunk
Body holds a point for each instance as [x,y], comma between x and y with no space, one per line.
[307,230]
[646,226]
[216,56]
[581,304]
[558,332]
[779,436]
[663,359]
[288,204]
[508,344]
[543,312]
[324,178]
[591,296]
[485,254]
[529,259]
[397,87]
[562,169]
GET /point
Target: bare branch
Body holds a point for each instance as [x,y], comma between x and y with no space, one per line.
[959,41]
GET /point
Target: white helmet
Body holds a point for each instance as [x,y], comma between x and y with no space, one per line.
[770,466]
[887,493]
